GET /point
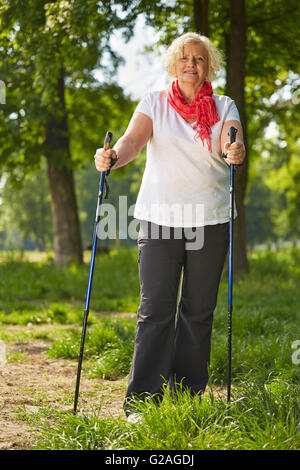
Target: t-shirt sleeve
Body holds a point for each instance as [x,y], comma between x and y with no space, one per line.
[232,113]
[145,106]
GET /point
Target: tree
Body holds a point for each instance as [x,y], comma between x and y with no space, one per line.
[26,210]
[201,16]
[48,48]
[235,50]
[235,88]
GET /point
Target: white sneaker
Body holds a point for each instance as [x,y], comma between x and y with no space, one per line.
[134,417]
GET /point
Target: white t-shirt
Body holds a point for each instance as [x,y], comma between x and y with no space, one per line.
[184,185]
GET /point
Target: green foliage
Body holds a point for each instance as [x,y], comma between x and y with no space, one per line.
[51,52]
[91,113]
[39,39]
[26,209]
[286,181]
[42,42]
[272,201]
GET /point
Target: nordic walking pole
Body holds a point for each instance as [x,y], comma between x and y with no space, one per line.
[232,134]
[107,141]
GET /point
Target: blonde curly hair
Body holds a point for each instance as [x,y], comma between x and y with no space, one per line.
[175,51]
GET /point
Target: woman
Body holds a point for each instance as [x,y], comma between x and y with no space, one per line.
[185,186]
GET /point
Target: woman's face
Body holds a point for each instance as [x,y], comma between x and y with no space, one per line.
[192,67]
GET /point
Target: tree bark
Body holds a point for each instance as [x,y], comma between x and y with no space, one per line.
[66,227]
[201,16]
[235,85]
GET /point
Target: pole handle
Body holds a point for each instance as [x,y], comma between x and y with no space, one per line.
[103,182]
[107,140]
[232,134]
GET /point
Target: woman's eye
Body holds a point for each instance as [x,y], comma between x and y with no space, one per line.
[195,59]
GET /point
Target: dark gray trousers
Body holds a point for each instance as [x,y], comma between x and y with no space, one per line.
[174,346]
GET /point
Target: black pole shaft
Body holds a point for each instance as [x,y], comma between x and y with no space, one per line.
[107,141]
[229,355]
[85,318]
[232,135]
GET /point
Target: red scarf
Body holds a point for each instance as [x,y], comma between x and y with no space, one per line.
[203,109]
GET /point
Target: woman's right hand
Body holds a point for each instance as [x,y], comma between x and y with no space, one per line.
[103,158]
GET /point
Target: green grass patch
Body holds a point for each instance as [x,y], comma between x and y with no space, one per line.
[37,315]
[264,412]
[108,346]
[260,417]
[115,282]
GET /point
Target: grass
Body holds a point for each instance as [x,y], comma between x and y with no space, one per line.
[109,344]
[260,417]
[115,283]
[264,412]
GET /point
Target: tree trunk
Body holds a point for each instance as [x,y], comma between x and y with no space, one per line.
[201,16]
[235,84]
[66,228]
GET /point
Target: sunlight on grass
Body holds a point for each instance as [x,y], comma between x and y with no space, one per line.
[264,412]
[264,416]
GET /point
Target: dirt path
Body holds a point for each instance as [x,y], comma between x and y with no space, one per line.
[42,382]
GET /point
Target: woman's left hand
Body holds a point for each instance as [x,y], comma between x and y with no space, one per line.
[235,153]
